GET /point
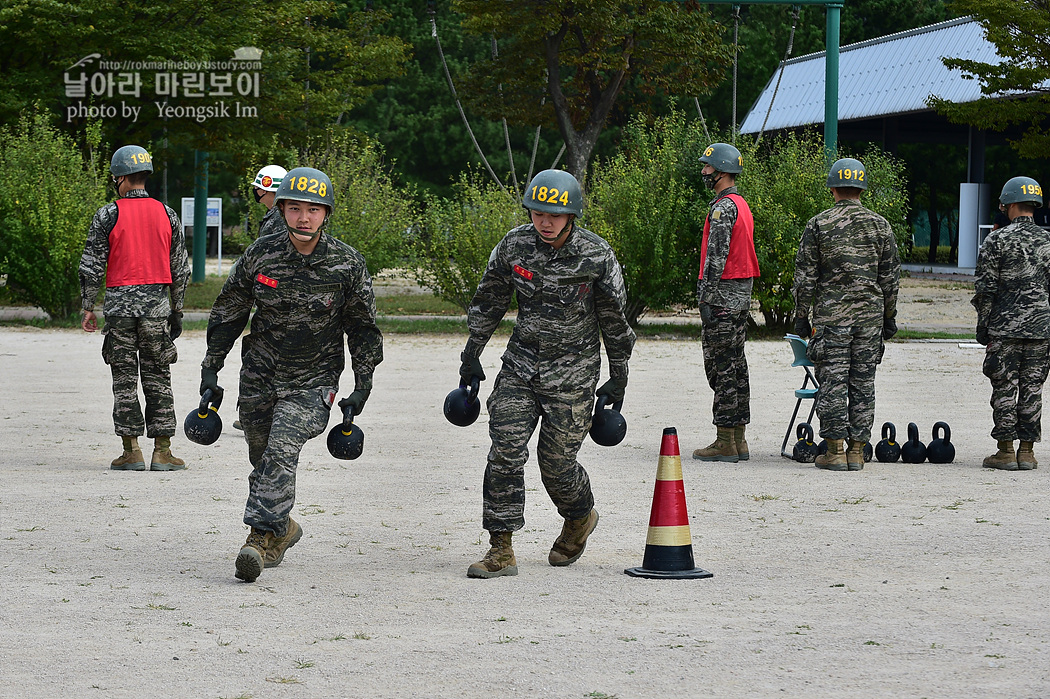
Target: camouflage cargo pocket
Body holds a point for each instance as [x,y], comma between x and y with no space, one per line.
[993,366]
[107,345]
[816,350]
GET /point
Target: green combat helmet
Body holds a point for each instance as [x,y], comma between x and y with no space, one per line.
[129,159]
[724,158]
[1022,190]
[554,192]
[848,172]
[310,185]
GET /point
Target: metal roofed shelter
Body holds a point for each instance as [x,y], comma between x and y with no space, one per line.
[883,87]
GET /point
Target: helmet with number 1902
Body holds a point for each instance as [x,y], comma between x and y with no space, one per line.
[306,184]
[130,159]
[848,172]
[554,192]
[1022,190]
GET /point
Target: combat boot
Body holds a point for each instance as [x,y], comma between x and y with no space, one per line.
[498,561]
[722,449]
[741,444]
[855,456]
[1026,456]
[1004,459]
[834,459]
[131,459]
[163,459]
[569,545]
[264,549]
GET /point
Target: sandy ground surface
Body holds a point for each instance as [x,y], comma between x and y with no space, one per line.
[896,581]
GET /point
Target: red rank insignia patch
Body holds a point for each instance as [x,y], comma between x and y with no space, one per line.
[521,271]
[262,278]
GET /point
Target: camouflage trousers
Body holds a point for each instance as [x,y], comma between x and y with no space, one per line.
[726,367]
[1017,369]
[133,347]
[846,358]
[276,426]
[515,407]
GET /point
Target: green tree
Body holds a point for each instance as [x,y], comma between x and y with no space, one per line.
[1020,30]
[568,61]
[48,195]
[452,247]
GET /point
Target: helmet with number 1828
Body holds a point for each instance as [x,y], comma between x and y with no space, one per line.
[306,184]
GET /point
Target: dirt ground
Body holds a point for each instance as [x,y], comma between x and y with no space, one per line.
[896,581]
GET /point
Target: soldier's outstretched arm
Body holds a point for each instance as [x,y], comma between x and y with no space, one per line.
[363,337]
[96,254]
[229,315]
[610,304]
[805,282]
[490,302]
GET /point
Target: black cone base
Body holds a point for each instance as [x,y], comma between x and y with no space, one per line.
[695,573]
[668,562]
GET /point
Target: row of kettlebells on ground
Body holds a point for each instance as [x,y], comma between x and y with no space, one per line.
[940,450]
[347,441]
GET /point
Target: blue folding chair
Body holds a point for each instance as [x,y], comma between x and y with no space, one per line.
[798,348]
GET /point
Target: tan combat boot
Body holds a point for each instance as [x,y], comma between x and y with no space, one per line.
[1026,456]
[498,561]
[834,459]
[741,444]
[1004,459]
[722,449]
[163,459]
[855,456]
[131,459]
[264,549]
[569,545]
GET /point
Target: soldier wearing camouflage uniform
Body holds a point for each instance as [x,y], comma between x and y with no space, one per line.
[136,247]
[728,267]
[1012,298]
[308,290]
[264,188]
[570,290]
[847,271]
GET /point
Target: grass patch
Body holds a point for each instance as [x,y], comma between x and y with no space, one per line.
[416,304]
[932,335]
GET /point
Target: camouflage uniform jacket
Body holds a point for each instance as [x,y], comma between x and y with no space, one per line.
[847,267]
[565,297]
[304,304]
[136,300]
[734,294]
[1012,285]
[272,222]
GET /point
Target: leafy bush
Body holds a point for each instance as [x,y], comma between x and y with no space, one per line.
[452,247]
[371,213]
[48,195]
[642,202]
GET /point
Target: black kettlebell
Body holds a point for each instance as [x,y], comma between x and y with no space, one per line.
[346,441]
[822,447]
[888,451]
[868,452]
[608,426]
[203,425]
[941,449]
[804,450]
[462,406]
[913,451]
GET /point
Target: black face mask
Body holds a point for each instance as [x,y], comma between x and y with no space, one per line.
[258,197]
[711,179]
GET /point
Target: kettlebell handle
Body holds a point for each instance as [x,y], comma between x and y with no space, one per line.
[472,390]
[913,432]
[889,432]
[804,431]
[603,400]
[943,426]
[206,398]
[348,419]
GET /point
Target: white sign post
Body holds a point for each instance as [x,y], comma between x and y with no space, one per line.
[214,219]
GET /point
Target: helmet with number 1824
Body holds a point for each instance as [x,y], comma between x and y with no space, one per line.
[848,172]
[554,192]
[306,184]
[1021,190]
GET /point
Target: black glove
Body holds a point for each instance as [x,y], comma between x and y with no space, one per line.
[210,380]
[982,334]
[613,388]
[707,316]
[175,325]
[889,328]
[802,327]
[356,399]
[470,368]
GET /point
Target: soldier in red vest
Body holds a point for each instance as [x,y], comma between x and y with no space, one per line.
[136,246]
[728,267]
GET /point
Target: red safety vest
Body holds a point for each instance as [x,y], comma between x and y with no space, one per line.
[139,244]
[741,263]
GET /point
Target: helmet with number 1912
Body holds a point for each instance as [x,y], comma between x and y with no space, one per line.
[848,172]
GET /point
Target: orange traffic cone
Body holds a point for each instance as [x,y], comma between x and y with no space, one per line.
[669,546]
